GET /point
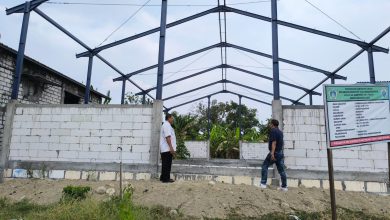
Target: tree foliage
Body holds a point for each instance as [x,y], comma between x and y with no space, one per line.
[131,98]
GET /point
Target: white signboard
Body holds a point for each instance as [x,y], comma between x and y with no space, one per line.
[357,114]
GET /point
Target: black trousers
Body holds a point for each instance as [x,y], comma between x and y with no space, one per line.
[166,160]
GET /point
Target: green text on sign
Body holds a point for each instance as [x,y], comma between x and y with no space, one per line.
[356,93]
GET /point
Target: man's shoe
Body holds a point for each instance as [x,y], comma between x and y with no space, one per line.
[283,189]
[263,186]
[171,180]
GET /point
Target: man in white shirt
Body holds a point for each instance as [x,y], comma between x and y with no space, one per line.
[167,148]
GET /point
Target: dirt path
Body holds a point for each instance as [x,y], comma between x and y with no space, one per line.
[204,199]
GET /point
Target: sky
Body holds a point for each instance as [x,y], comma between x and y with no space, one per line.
[92,24]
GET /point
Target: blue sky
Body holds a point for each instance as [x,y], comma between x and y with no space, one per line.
[365,18]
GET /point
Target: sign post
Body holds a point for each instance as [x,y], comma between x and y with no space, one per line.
[355,115]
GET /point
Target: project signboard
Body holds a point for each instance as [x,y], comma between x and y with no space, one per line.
[357,114]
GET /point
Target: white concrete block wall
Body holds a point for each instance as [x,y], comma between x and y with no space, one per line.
[305,145]
[198,149]
[81,134]
[255,151]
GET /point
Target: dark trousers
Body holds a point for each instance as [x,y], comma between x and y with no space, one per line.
[279,164]
[166,160]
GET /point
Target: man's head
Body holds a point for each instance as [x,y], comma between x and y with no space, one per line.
[169,118]
[274,123]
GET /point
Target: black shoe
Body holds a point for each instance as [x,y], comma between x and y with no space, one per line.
[168,181]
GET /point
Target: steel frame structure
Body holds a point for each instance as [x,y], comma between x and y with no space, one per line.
[222,10]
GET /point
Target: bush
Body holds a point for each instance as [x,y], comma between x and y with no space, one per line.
[181,150]
[75,192]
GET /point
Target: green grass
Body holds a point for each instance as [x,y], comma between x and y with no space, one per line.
[124,209]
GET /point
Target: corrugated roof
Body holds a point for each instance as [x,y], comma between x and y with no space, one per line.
[5,47]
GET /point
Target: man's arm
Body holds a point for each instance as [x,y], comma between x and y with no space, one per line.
[170,145]
[273,150]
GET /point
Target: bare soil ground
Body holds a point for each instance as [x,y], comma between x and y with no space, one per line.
[199,199]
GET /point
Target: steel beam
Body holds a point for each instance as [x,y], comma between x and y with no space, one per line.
[309,30]
[194,100]
[270,78]
[21,8]
[327,73]
[20,55]
[161,51]
[123,92]
[371,65]
[168,61]
[193,90]
[88,84]
[154,30]
[183,78]
[261,91]
[275,50]
[250,98]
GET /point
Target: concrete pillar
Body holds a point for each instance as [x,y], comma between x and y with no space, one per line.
[4,153]
[157,119]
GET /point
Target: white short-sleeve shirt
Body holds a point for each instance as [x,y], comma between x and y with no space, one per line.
[166,131]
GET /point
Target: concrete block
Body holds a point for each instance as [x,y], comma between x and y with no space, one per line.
[313,137]
[127,176]
[62,118]
[311,183]
[354,186]
[224,179]
[88,155]
[147,111]
[356,163]
[89,175]
[372,155]
[21,131]
[346,154]
[102,118]
[49,125]
[340,162]
[295,153]
[72,175]
[292,182]
[141,148]
[81,118]
[90,125]
[144,157]
[122,118]
[145,126]
[80,132]
[68,154]
[19,173]
[246,180]
[121,133]
[379,147]
[142,133]
[111,140]
[15,139]
[376,187]
[69,140]
[337,185]
[60,132]
[7,173]
[308,162]
[130,156]
[70,125]
[112,125]
[204,177]
[142,176]
[89,140]
[40,131]
[289,161]
[49,139]
[381,164]
[127,125]
[56,174]
[40,174]
[101,133]
[29,139]
[39,146]
[107,176]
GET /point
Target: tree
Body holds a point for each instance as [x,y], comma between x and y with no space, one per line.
[131,98]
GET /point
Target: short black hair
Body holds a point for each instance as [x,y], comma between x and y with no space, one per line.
[167,116]
[275,122]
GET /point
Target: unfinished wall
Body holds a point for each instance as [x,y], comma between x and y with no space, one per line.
[81,133]
[198,149]
[253,151]
[305,144]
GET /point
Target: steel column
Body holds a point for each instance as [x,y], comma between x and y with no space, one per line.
[143,99]
[371,65]
[332,80]
[20,55]
[311,99]
[208,117]
[88,84]
[123,92]
[161,53]
[275,49]
[239,116]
